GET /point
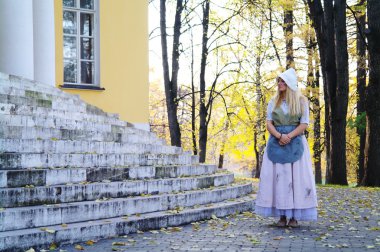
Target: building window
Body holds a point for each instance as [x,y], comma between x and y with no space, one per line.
[80,42]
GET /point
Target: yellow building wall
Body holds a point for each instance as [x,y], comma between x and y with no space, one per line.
[124,63]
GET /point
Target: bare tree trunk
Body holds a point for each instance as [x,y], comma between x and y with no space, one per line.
[288,31]
[317,149]
[330,28]
[171,85]
[372,160]
[202,90]
[339,98]
[193,128]
[313,82]
[361,86]
[271,32]
[261,118]
[323,23]
[224,140]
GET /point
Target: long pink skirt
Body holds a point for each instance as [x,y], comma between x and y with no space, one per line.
[288,189]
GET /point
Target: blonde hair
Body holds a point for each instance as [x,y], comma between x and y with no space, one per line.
[294,99]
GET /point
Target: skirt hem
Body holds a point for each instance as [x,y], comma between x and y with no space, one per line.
[308,214]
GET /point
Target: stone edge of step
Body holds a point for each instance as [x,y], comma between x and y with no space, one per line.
[82,231]
[78,175]
[69,210]
[87,195]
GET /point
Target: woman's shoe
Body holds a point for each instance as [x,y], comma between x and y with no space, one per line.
[281,222]
[293,223]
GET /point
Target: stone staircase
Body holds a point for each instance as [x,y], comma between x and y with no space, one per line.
[70,172]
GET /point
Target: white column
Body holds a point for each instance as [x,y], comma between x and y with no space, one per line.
[44,41]
[16,37]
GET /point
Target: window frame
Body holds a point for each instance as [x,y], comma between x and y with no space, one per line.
[96,52]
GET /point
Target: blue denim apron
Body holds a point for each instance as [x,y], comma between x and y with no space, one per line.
[288,153]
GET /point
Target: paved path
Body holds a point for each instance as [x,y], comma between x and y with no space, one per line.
[349,220]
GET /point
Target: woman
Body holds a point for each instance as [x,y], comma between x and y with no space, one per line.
[287,188]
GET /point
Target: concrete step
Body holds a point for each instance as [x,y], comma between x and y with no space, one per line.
[127,135]
[20,240]
[22,92]
[66,146]
[43,177]
[26,110]
[11,84]
[10,161]
[44,121]
[57,103]
[55,122]
[19,197]
[65,213]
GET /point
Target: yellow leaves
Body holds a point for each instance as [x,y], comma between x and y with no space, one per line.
[119,244]
[248,214]
[374,229]
[50,231]
[53,246]
[176,210]
[175,229]
[78,247]
[254,240]
[64,225]
[90,242]
[145,195]
[196,226]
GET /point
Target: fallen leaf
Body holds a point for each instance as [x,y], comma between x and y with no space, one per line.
[52,246]
[90,242]
[50,231]
[78,247]
[176,229]
[119,244]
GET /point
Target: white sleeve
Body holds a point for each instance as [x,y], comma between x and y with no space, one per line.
[269,110]
[305,114]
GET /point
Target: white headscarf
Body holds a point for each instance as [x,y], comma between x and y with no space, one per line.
[290,78]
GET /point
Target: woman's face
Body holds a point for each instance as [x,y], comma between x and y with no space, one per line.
[281,85]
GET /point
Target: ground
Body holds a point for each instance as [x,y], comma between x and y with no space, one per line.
[349,220]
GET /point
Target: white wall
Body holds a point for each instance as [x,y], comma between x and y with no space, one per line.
[27,39]
[44,41]
[16,37]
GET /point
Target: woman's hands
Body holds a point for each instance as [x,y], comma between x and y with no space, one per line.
[284,139]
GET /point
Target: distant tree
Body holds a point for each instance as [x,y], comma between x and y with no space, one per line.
[288,31]
[171,83]
[329,22]
[361,77]
[372,160]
